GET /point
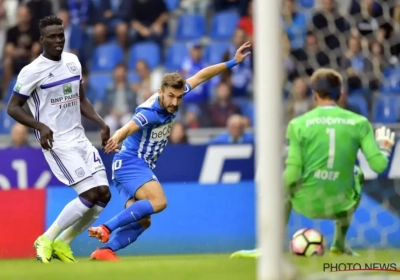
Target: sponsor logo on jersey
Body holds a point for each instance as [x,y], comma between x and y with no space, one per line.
[161,132]
[141,119]
[67,88]
[80,172]
[73,68]
[17,87]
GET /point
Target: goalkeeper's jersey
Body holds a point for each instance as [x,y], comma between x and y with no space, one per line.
[324,144]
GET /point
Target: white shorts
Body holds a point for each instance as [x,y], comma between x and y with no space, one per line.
[78,165]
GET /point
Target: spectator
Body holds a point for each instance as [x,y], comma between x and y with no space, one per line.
[100,34]
[311,57]
[39,9]
[367,19]
[236,133]
[117,14]
[377,63]
[196,6]
[329,25]
[19,136]
[356,65]
[394,41]
[223,107]
[246,22]
[149,82]
[120,102]
[149,20]
[83,13]
[295,24]
[191,65]
[73,34]
[178,134]
[299,102]
[11,7]
[3,26]
[288,63]
[22,45]
[242,74]
[191,116]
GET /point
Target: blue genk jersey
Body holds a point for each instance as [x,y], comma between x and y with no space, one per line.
[155,127]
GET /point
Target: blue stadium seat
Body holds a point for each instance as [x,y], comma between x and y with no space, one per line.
[224,25]
[6,122]
[387,109]
[176,54]
[172,4]
[190,27]
[216,51]
[307,4]
[106,57]
[147,51]
[99,82]
[391,81]
[359,100]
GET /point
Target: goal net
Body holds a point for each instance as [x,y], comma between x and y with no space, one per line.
[360,39]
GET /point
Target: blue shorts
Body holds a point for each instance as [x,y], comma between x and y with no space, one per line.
[129,174]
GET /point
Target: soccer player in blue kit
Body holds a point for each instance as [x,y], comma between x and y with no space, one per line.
[143,140]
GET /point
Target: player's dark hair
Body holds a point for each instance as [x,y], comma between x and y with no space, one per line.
[48,21]
[173,80]
[327,83]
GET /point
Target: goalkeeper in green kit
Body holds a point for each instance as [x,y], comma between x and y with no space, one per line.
[320,179]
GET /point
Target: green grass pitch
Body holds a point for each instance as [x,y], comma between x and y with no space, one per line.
[174,267]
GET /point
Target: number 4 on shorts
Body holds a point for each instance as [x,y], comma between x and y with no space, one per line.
[96,159]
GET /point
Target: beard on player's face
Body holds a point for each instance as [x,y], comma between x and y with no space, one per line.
[167,104]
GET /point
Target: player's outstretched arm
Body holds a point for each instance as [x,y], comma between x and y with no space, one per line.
[120,135]
[214,70]
[376,149]
[88,111]
[15,110]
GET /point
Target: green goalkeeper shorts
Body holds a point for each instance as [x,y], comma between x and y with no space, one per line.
[331,207]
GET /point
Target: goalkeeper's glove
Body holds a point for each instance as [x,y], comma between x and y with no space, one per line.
[385,140]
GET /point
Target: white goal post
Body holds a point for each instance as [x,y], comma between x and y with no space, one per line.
[268,106]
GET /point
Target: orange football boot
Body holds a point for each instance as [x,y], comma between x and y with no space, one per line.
[101,233]
[104,255]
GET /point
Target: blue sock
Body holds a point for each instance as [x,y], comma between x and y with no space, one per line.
[135,212]
[124,236]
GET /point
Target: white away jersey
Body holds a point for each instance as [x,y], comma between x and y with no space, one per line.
[52,90]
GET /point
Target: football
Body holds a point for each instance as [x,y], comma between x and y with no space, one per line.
[307,242]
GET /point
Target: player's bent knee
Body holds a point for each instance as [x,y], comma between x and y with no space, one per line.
[90,195]
[159,204]
[145,222]
[104,194]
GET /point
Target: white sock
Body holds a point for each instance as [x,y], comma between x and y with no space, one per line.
[69,215]
[81,225]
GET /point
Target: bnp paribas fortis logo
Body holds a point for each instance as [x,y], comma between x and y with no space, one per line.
[67,88]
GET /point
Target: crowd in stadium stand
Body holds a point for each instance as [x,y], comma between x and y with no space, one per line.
[125,47]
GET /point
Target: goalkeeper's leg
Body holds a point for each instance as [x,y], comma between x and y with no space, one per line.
[343,220]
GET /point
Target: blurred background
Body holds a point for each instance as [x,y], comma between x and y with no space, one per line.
[125,47]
